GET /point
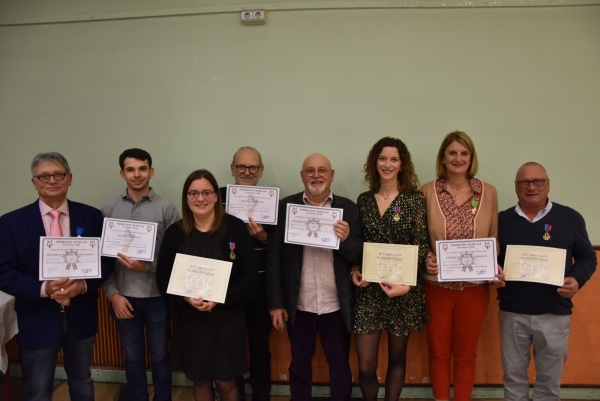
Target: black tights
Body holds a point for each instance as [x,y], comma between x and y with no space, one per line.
[367,348]
[228,391]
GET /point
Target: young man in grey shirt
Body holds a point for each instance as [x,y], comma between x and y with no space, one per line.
[135,302]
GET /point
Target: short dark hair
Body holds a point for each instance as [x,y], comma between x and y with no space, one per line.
[407,179]
[187,221]
[135,153]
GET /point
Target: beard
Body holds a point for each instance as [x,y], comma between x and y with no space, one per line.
[316,191]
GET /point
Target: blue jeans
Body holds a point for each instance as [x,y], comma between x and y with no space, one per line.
[39,365]
[155,315]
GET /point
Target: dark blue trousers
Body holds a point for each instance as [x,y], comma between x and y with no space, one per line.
[335,339]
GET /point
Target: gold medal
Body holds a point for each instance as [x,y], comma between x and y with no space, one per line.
[232,248]
[547,229]
[397,211]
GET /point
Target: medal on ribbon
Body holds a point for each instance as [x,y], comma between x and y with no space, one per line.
[397,211]
[547,228]
[232,248]
[474,203]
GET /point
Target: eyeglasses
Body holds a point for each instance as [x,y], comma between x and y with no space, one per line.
[240,168]
[193,195]
[536,183]
[46,177]
[311,172]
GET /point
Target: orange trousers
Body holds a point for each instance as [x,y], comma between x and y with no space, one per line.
[455,321]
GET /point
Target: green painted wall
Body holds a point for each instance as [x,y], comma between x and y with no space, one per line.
[523,82]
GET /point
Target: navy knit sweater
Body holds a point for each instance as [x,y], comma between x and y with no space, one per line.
[568,232]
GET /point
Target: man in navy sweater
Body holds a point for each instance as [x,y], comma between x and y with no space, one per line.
[535,313]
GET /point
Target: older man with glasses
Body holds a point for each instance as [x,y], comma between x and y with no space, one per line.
[53,314]
[536,314]
[246,169]
[310,287]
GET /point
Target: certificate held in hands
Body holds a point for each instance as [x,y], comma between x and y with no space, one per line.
[260,203]
[135,239]
[390,262]
[72,257]
[538,264]
[197,277]
[467,259]
[312,226]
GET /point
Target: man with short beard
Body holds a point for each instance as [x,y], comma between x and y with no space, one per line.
[309,287]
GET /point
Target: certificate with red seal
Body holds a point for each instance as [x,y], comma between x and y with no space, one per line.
[312,226]
[135,239]
[467,259]
[72,257]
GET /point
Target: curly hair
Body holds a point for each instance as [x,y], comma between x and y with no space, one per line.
[407,179]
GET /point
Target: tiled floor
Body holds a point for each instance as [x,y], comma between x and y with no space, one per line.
[102,391]
[113,392]
[118,392]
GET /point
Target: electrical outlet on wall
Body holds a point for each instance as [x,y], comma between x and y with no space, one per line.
[253,17]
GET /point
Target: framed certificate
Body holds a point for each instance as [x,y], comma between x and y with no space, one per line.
[197,277]
[467,259]
[390,262]
[136,239]
[312,226]
[538,264]
[72,257]
[260,203]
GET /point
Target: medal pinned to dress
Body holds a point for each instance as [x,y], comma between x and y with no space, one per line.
[232,248]
[547,229]
[474,203]
[397,211]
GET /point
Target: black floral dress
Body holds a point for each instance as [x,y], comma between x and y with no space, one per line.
[372,309]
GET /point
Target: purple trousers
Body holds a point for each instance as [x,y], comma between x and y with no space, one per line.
[335,339]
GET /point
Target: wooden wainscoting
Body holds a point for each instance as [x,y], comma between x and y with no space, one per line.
[584,349]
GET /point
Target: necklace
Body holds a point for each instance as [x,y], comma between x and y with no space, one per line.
[385,197]
[457,191]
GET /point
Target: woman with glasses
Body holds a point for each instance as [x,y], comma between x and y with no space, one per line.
[459,206]
[391,212]
[209,339]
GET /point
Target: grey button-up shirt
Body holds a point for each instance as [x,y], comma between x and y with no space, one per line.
[151,208]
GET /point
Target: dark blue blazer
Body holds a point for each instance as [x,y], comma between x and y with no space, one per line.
[39,318]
